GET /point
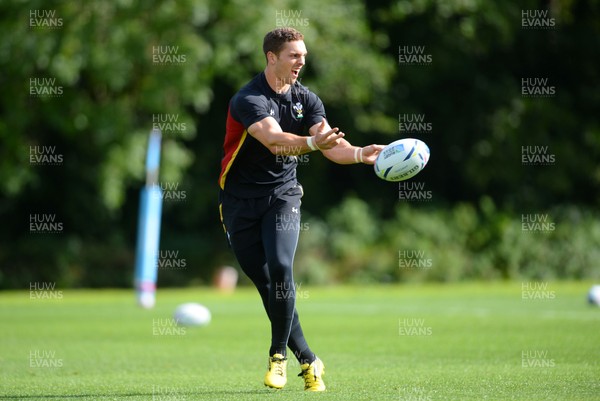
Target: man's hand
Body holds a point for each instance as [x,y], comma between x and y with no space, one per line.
[327,139]
[370,153]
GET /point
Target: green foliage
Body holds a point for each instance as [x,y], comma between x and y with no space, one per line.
[119,67]
[459,243]
[471,93]
[105,61]
[103,57]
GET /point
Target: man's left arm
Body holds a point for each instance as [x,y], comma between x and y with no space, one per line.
[344,152]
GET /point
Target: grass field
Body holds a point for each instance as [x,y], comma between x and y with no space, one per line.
[432,342]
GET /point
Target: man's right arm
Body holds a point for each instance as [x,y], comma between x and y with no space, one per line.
[268,132]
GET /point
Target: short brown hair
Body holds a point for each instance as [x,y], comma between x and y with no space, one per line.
[275,39]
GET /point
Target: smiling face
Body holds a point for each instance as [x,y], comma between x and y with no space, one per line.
[286,66]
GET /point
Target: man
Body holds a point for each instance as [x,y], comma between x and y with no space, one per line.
[264,133]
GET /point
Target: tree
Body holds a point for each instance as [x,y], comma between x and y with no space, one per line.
[84,82]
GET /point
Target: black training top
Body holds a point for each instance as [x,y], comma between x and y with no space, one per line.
[248,168]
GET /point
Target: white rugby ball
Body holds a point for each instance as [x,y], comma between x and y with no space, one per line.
[401,159]
[192,314]
[594,295]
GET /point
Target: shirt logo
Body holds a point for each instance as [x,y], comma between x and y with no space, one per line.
[299,110]
[272,112]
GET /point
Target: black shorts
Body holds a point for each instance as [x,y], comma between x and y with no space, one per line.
[244,220]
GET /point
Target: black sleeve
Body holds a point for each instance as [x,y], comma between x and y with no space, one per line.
[315,110]
[249,108]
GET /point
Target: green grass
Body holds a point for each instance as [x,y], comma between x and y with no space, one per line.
[470,345]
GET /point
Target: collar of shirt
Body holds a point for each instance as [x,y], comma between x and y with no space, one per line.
[286,96]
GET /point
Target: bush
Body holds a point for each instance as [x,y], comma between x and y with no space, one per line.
[460,243]
[351,243]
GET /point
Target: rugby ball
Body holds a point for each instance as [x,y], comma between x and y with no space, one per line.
[594,295]
[401,159]
[192,314]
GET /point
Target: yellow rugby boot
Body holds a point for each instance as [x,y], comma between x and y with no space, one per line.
[313,375]
[276,376]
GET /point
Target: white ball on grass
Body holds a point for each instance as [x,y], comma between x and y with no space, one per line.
[594,295]
[192,314]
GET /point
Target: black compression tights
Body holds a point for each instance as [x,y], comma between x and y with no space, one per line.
[268,264]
